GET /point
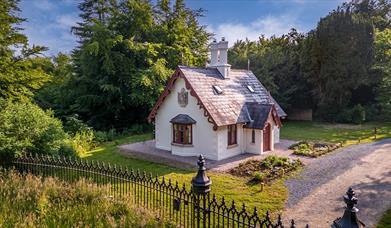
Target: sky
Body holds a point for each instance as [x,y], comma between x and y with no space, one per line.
[49,22]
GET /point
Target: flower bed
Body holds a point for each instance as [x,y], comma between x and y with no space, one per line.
[313,149]
[266,170]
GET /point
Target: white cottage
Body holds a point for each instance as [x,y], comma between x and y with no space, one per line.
[216,111]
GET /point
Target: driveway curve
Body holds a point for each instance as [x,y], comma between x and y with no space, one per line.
[315,195]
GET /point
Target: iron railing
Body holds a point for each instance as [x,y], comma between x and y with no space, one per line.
[187,207]
[194,207]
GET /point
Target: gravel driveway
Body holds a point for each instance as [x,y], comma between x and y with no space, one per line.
[315,196]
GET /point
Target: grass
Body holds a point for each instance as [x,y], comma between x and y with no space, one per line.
[385,221]
[30,201]
[335,133]
[272,198]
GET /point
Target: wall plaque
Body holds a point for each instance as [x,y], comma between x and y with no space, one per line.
[183,98]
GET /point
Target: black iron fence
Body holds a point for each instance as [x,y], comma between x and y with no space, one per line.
[187,207]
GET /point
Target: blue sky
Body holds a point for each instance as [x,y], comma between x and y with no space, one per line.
[49,21]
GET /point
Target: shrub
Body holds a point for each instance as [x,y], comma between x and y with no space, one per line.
[266,170]
[29,201]
[73,124]
[82,142]
[358,114]
[258,176]
[26,128]
[313,149]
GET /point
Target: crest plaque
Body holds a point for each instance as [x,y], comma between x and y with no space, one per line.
[183,98]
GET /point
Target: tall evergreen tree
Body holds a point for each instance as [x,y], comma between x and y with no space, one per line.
[19,75]
[340,56]
[127,51]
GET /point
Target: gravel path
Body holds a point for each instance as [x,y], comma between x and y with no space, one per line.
[315,196]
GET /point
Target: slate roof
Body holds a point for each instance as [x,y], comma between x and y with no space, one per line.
[258,114]
[183,119]
[229,106]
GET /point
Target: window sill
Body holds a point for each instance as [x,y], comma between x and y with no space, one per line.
[182,145]
[232,146]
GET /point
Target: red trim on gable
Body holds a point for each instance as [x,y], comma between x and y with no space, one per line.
[275,117]
[170,85]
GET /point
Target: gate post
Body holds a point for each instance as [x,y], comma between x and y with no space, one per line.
[349,218]
[201,187]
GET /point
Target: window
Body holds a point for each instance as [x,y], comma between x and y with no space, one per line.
[182,133]
[232,134]
[217,89]
[253,136]
[250,88]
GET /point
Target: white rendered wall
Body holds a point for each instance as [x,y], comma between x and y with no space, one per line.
[276,133]
[204,138]
[225,151]
[256,147]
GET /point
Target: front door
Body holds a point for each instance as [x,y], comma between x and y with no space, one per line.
[267,138]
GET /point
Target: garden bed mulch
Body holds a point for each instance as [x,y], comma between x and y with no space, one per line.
[266,170]
[313,149]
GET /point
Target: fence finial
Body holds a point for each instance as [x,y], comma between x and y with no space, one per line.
[201,183]
[349,218]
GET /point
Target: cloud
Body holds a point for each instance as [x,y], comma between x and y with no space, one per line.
[268,26]
[44,5]
[66,21]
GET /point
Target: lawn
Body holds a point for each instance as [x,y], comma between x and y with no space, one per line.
[333,133]
[385,220]
[272,198]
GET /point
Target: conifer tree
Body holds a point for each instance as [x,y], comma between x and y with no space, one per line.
[19,75]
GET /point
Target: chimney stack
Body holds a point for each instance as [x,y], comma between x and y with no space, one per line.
[219,57]
[214,53]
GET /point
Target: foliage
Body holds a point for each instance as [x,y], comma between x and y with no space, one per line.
[25,128]
[313,149]
[20,75]
[346,134]
[342,64]
[29,201]
[383,66]
[275,62]
[82,141]
[267,169]
[127,51]
[385,221]
[52,94]
[73,125]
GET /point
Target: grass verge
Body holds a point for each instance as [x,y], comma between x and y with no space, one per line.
[335,133]
[385,221]
[271,198]
[30,201]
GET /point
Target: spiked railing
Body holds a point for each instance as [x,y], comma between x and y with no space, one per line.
[188,207]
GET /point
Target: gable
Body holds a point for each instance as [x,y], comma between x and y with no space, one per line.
[223,107]
[170,88]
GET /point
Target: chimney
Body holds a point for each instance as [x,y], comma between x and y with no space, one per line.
[214,52]
[219,57]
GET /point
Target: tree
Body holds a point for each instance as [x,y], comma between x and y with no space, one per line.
[383,67]
[52,95]
[275,61]
[127,51]
[19,75]
[339,60]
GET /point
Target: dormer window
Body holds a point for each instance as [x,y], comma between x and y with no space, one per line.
[217,89]
[250,88]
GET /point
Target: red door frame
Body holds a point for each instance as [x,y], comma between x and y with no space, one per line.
[267,138]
